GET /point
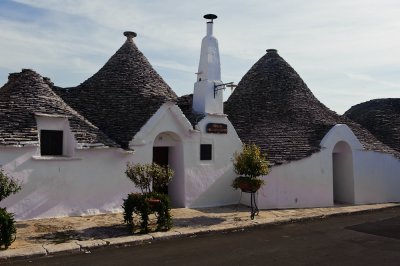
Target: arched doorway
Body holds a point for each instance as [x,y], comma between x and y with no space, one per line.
[168,150]
[343,174]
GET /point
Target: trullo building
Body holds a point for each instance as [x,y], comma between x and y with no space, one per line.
[69,146]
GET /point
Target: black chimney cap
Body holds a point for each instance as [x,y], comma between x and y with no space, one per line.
[210,16]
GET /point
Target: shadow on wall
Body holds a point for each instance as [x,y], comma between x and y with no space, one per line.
[217,187]
[69,187]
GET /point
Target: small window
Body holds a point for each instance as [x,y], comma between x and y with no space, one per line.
[51,142]
[205,152]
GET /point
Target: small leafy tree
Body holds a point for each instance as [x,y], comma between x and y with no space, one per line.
[149,176]
[249,164]
[161,176]
[8,186]
[138,174]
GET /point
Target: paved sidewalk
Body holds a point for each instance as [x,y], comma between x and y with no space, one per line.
[81,234]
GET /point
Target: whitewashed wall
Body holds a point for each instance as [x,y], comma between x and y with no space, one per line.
[93,181]
[377,177]
[208,183]
[303,183]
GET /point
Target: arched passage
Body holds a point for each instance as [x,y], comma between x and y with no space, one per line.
[343,174]
[168,150]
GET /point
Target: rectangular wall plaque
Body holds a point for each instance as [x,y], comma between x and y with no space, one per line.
[217,128]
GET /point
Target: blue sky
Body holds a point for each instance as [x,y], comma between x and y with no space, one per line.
[346,51]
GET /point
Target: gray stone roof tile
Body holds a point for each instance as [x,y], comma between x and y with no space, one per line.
[381,117]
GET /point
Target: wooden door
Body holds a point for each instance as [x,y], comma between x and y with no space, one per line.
[160,157]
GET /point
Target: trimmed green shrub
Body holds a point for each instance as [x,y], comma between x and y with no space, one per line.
[144,205]
[7,228]
[8,186]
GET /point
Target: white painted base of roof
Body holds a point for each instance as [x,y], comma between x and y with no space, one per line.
[369,177]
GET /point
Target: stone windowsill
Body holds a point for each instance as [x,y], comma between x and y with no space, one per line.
[55,158]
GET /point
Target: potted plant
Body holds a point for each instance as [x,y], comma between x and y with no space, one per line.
[149,178]
[249,164]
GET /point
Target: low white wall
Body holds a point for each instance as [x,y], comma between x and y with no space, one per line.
[309,182]
[377,177]
[299,184]
[93,182]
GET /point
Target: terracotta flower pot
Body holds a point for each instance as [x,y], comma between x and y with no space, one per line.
[153,202]
[246,187]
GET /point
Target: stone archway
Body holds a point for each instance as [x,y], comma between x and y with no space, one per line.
[343,173]
[168,149]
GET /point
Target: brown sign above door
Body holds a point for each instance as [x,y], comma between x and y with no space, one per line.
[217,128]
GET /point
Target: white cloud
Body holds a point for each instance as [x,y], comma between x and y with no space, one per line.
[367,78]
[320,39]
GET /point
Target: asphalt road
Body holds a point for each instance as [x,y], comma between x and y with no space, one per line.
[362,239]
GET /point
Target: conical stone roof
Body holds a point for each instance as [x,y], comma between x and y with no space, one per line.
[27,93]
[122,95]
[381,117]
[273,108]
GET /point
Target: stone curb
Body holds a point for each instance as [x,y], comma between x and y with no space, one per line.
[31,251]
[128,240]
[70,247]
[87,245]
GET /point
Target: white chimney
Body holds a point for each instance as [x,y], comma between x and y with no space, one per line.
[205,98]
